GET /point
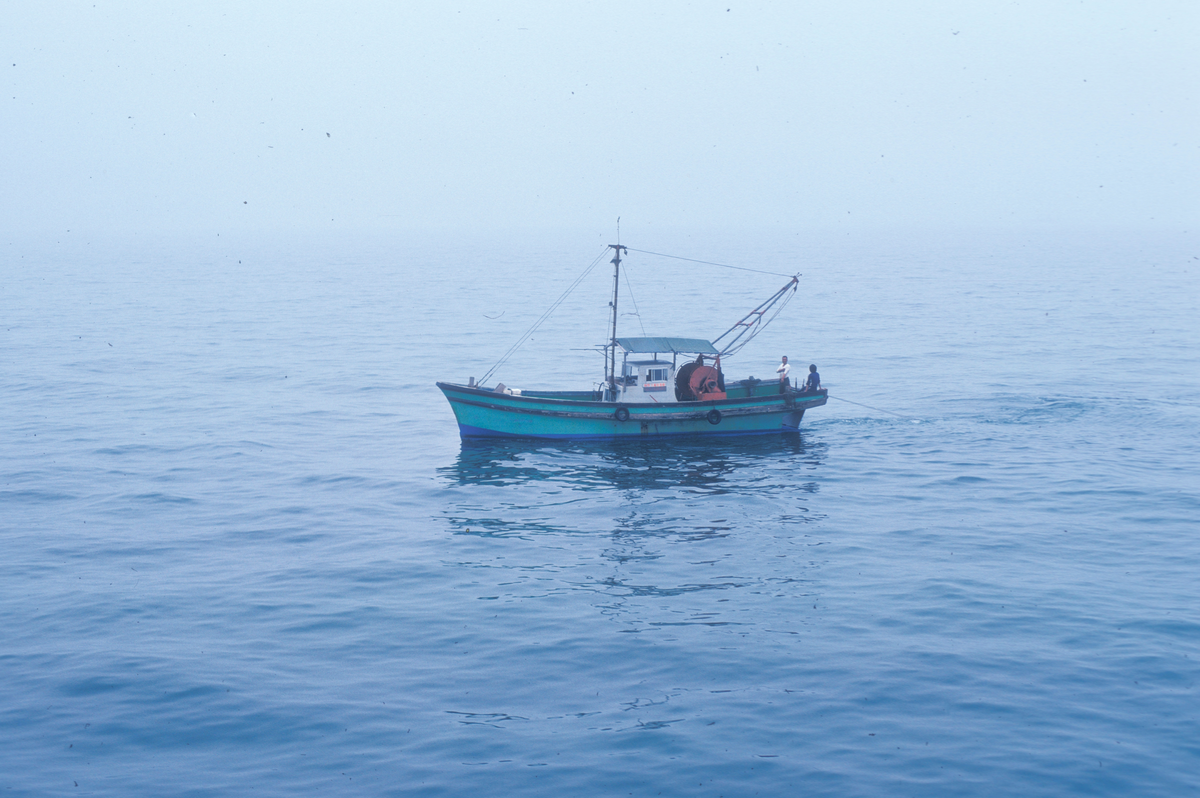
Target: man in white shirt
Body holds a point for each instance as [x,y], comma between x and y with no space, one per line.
[782,371]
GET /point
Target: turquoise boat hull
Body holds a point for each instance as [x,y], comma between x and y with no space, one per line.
[483,413]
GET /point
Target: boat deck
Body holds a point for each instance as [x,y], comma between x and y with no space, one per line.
[733,390]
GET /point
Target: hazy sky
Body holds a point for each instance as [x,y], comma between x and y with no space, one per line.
[358,115]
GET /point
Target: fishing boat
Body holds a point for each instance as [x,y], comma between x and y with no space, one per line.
[663,386]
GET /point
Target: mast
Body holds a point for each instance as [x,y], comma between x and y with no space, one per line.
[612,345]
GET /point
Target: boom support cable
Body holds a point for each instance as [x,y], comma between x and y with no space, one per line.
[708,262]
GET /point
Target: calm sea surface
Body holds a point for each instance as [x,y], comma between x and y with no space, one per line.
[243,551]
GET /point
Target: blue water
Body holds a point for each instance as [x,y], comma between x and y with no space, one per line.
[244,551]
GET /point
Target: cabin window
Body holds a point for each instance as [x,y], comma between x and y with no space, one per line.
[656,375]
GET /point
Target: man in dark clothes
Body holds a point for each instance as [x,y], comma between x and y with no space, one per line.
[813,383]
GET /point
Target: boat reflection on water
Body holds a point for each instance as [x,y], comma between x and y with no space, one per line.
[709,466]
[710,527]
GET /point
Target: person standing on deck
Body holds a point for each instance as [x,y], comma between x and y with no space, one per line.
[782,371]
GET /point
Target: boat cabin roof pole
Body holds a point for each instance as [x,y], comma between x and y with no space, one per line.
[612,361]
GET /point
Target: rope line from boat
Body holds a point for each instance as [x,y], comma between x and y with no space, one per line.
[872,407]
[553,307]
[707,262]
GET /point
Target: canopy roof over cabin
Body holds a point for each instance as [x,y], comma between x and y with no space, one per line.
[697,346]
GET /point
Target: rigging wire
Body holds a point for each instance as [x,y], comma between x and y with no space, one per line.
[636,310]
[512,349]
[708,262]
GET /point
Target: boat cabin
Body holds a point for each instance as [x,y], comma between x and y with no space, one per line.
[646,381]
[653,379]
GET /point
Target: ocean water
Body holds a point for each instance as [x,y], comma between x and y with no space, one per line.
[245,552]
